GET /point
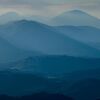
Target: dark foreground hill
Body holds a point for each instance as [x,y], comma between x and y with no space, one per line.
[38,96]
[81,87]
[53,65]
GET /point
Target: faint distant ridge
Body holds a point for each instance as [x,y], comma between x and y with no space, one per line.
[14,16]
[77,12]
[75,18]
[10,16]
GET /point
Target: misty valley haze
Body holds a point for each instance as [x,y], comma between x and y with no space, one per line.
[55,59]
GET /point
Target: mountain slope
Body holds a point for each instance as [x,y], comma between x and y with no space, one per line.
[31,35]
[76,18]
[54,65]
[85,34]
[11,53]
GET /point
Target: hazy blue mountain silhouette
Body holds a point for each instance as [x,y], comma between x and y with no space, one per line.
[14,16]
[76,18]
[31,35]
[10,53]
[53,65]
[63,59]
[86,34]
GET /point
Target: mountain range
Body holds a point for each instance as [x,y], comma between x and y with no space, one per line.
[86,34]
[62,57]
[15,83]
[69,18]
[34,36]
[14,16]
[75,18]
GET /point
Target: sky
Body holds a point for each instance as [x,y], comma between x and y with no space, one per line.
[49,8]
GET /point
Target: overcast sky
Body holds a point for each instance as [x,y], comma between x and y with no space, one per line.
[49,7]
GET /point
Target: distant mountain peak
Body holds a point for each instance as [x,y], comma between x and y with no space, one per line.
[74,13]
[75,18]
[77,12]
[22,21]
[25,22]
